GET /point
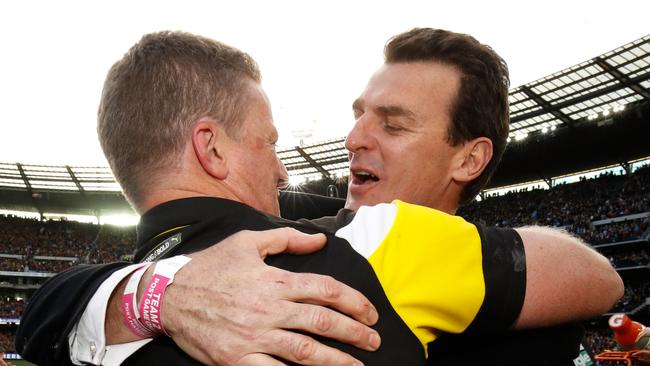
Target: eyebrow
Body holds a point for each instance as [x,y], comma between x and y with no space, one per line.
[357,104]
[394,110]
[389,110]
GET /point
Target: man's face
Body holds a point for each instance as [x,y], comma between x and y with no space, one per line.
[398,146]
[256,170]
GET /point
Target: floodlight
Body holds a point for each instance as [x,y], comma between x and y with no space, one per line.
[605,112]
[296,180]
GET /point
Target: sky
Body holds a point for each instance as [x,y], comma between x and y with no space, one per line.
[315,56]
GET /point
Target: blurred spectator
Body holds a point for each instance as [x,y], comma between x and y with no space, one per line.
[7,340]
[88,242]
[635,294]
[611,233]
[566,204]
[600,339]
[33,265]
[630,259]
[11,307]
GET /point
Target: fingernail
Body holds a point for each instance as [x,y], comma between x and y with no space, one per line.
[374,340]
[373,316]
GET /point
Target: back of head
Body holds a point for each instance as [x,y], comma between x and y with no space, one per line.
[154,95]
[481,106]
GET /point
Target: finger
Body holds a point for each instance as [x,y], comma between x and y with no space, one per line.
[258,359]
[285,239]
[325,290]
[331,324]
[304,350]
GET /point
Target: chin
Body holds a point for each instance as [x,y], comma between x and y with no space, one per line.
[273,210]
[356,203]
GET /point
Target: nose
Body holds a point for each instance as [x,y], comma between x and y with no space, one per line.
[283,176]
[360,137]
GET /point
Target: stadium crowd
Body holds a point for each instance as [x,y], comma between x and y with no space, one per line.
[630,259]
[567,205]
[30,264]
[572,206]
[90,243]
[600,338]
[7,340]
[10,307]
[635,293]
[611,233]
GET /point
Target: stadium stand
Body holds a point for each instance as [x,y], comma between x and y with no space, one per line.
[11,307]
[601,339]
[574,205]
[69,239]
[571,206]
[586,117]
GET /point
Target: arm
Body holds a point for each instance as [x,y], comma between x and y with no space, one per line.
[566,280]
[241,316]
[442,273]
[43,333]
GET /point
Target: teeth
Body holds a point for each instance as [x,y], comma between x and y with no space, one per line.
[365,174]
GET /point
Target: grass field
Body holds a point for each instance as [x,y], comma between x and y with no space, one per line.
[21,363]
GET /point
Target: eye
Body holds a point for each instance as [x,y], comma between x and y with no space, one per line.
[393,128]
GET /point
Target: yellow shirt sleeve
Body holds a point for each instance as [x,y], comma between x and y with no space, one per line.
[429,264]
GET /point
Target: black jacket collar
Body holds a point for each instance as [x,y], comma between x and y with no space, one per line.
[188,211]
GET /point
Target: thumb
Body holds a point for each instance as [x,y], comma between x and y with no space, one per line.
[287,240]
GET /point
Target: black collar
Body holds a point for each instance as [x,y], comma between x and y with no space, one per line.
[179,213]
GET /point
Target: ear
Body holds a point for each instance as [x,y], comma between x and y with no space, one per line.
[208,141]
[474,157]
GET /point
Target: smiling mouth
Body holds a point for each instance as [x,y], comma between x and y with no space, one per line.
[362,177]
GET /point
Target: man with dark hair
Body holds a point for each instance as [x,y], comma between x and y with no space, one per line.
[469,103]
[430,129]
[437,273]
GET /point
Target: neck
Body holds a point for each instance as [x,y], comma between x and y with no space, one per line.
[174,189]
[165,195]
[448,208]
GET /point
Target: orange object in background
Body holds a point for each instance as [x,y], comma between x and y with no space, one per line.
[630,335]
[611,358]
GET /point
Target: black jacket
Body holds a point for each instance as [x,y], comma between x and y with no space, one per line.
[202,222]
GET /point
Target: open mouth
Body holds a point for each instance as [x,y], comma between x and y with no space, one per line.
[363,177]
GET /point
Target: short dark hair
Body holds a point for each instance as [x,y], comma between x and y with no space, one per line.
[154,95]
[481,106]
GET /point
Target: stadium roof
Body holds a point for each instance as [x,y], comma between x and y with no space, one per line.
[600,86]
[593,91]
